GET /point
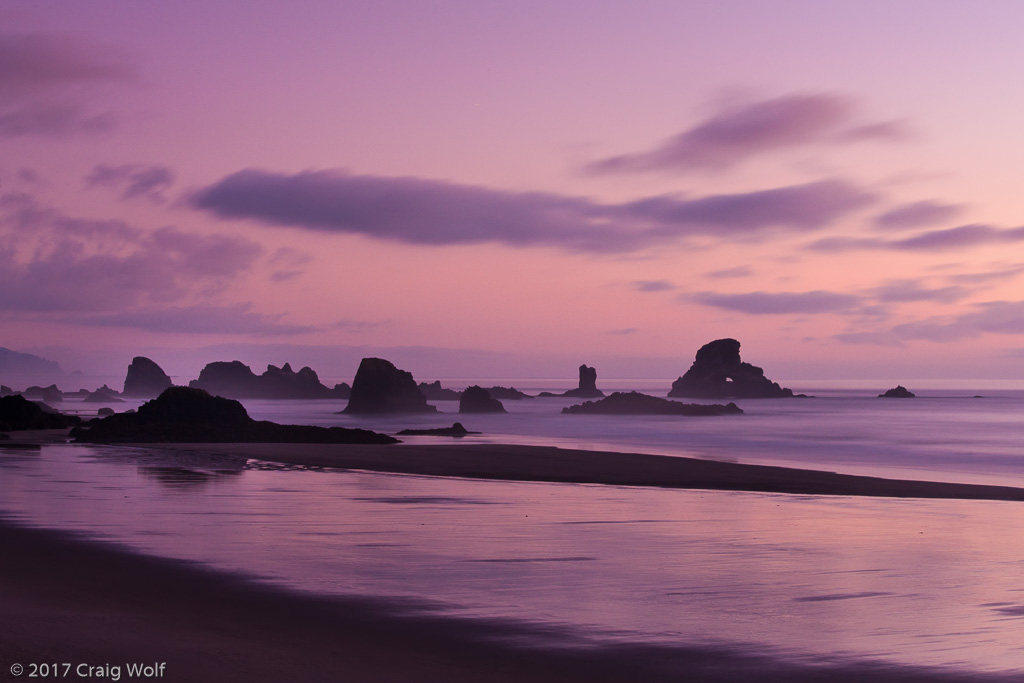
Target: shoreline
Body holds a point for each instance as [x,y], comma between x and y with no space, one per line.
[561,465]
[68,600]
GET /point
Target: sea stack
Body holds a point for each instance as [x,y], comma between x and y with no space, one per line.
[380,387]
[718,372]
[145,379]
[478,400]
[588,385]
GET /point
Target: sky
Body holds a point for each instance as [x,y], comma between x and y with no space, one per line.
[497,189]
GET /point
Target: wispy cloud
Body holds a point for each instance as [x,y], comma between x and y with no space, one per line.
[993,317]
[47,82]
[738,133]
[133,181]
[432,212]
[961,237]
[998,273]
[727,273]
[653,285]
[918,214]
[53,262]
[778,303]
[903,291]
[198,319]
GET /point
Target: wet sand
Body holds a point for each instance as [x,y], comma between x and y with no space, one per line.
[549,464]
[65,600]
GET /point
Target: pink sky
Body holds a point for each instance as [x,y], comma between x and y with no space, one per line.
[511,189]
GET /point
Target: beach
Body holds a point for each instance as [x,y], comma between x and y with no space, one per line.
[66,599]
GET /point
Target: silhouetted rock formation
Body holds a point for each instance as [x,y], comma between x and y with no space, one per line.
[507,393]
[435,392]
[104,412]
[635,403]
[897,392]
[235,380]
[145,378]
[5,390]
[17,413]
[587,386]
[456,430]
[477,400]
[189,415]
[380,387]
[50,394]
[232,379]
[103,395]
[717,372]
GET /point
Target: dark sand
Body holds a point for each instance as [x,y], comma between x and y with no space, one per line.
[63,599]
[545,463]
[66,600]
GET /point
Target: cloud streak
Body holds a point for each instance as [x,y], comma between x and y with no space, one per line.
[992,317]
[778,303]
[74,265]
[133,181]
[918,214]
[961,237]
[436,213]
[47,81]
[739,133]
[199,319]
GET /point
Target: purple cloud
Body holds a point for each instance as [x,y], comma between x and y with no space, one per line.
[31,62]
[53,262]
[918,214]
[800,207]
[1001,273]
[776,303]
[738,271]
[437,213]
[738,133]
[133,181]
[201,319]
[653,285]
[46,81]
[912,290]
[993,317]
[962,237]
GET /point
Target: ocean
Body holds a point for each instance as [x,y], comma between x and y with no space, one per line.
[816,579]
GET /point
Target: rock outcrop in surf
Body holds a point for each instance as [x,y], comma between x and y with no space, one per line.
[145,379]
[435,392]
[718,372]
[189,415]
[17,413]
[478,400]
[235,379]
[507,393]
[587,387]
[380,387]
[899,391]
[103,395]
[635,403]
[457,430]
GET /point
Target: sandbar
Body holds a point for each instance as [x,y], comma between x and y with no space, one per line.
[568,465]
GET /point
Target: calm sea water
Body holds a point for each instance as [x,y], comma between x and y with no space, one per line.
[937,583]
